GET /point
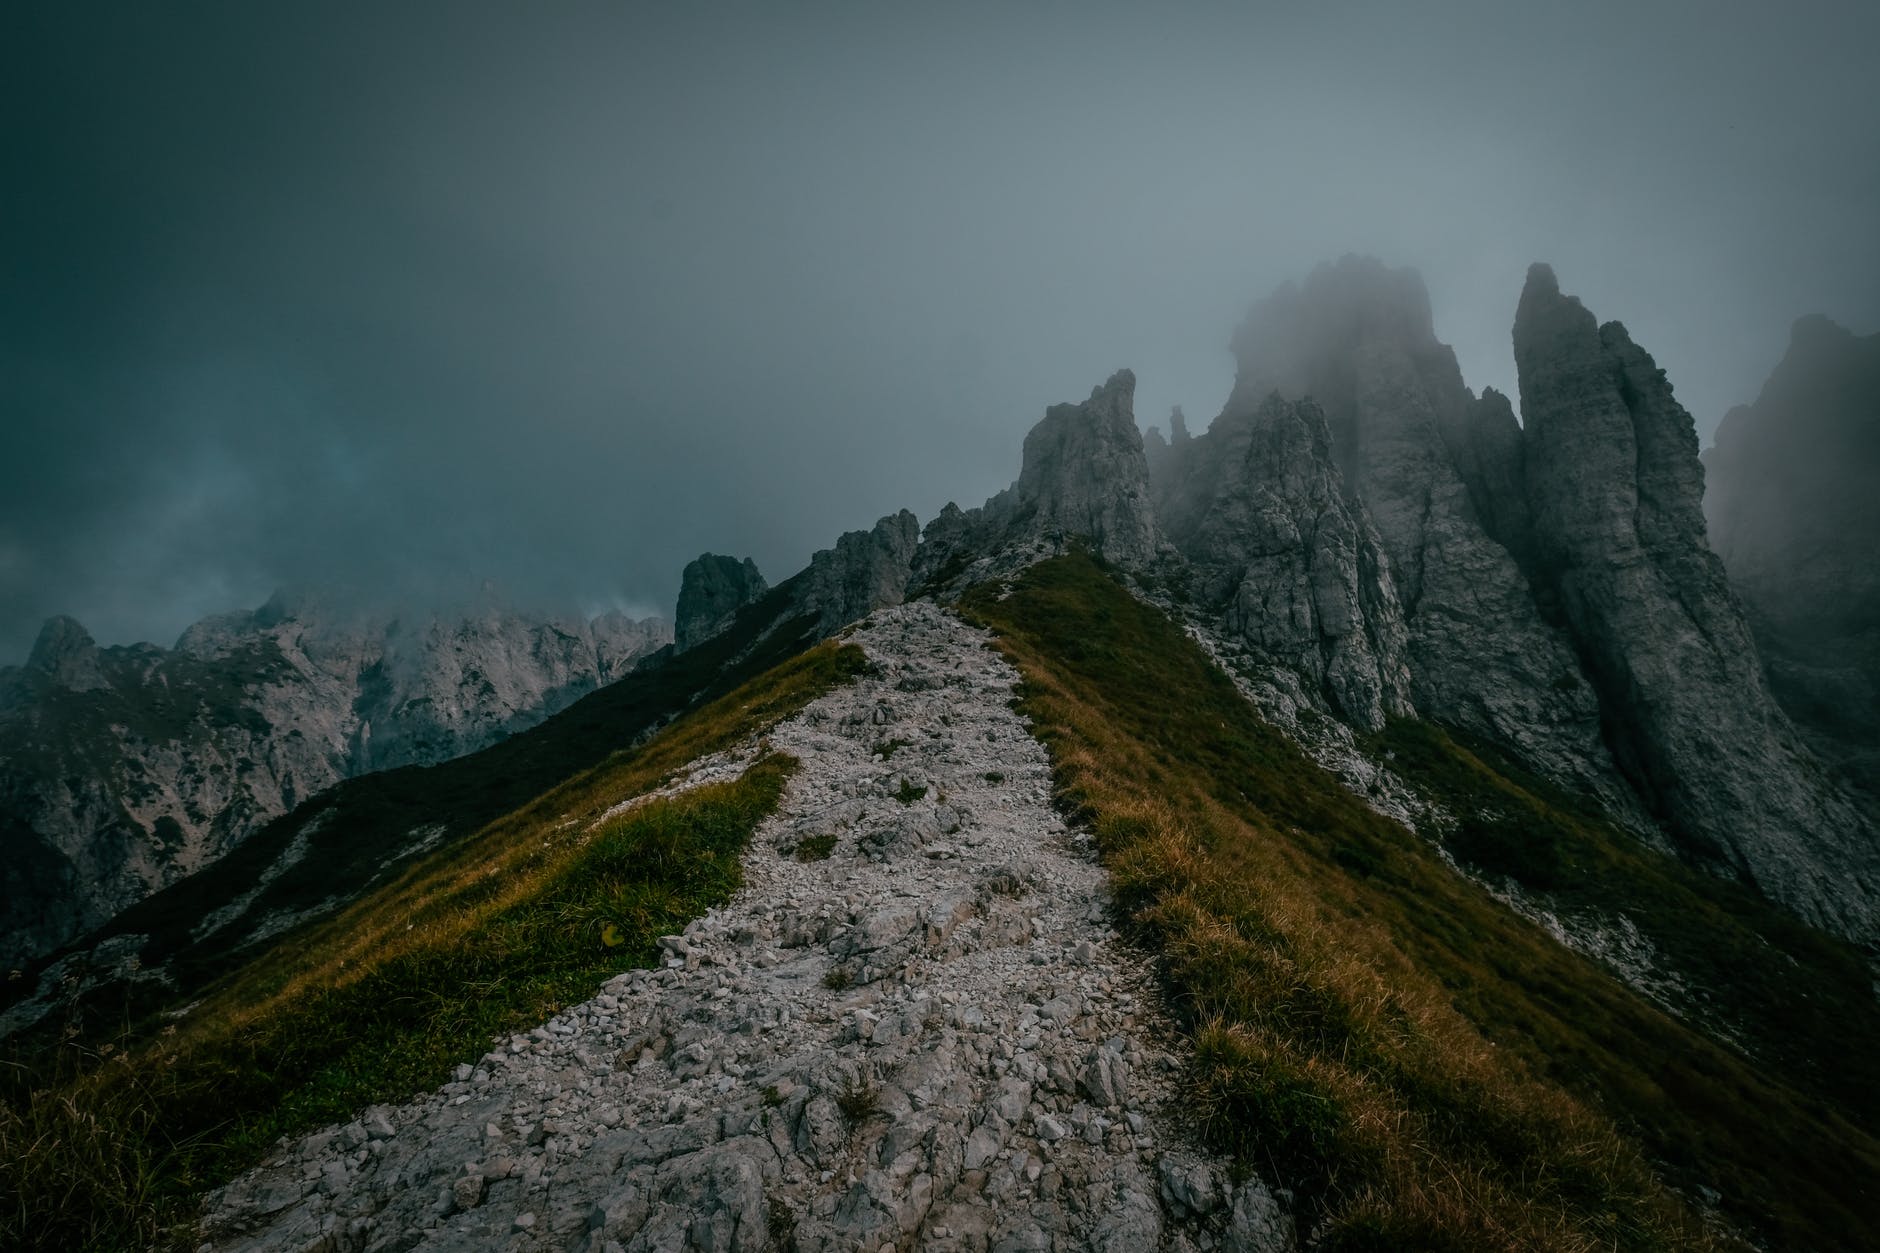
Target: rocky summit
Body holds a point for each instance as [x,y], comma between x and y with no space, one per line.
[711,591]
[1616,490]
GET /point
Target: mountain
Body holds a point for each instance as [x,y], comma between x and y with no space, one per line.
[1793,514]
[1362,824]
[125,769]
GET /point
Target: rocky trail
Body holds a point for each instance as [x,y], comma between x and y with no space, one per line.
[931,1038]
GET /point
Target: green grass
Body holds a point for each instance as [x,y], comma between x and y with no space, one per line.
[1800,1001]
[909,792]
[815,847]
[107,1148]
[1422,1066]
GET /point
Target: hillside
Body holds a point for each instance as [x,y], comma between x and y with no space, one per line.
[1362,825]
[125,769]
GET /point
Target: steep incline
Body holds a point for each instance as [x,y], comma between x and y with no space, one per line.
[1616,491]
[912,1028]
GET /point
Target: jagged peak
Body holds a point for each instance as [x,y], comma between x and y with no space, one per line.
[712,588]
[61,639]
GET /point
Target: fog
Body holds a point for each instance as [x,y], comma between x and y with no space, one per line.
[410,301]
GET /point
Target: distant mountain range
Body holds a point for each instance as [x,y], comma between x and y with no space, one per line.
[125,769]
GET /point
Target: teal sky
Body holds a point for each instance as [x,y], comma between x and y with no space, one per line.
[408,297]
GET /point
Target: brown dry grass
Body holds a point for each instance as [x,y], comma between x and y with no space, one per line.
[1422,1068]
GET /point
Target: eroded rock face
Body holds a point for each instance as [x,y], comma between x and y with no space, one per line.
[1791,504]
[933,1039]
[1615,488]
[711,591]
[1084,480]
[865,571]
[123,769]
[1085,475]
[1293,567]
[1432,475]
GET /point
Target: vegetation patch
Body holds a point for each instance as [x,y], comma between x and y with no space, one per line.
[859,1101]
[909,792]
[107,1148]
[1800,1001]
[815,847]
[1423,1067]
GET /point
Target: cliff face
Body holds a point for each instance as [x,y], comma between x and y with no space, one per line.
[1293,567]
[1432,475]
[865,571]
[1615,490]
[124,769]
[1085,474]
[711,591]
[1357,518]
[1792,512]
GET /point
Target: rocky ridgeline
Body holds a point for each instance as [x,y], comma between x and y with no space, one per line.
[1615,491]
[930,1039]
[1379,541]
[123,769]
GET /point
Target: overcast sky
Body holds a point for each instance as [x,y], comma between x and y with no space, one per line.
[405,297]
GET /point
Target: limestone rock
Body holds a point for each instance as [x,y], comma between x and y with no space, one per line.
[1615,488]
[1438,474]
[67,655]
[711,591]
[1085,475]
[1294,567]
[865,571]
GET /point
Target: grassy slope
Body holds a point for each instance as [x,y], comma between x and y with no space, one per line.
[380,1001]
[1424,1068]
[366,816]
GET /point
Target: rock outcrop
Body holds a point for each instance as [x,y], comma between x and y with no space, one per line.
[1793,512]
[1291,565]
[1085,475]
[1084,480]
[123,769]
[711,591]
[931,1040]
[1359,338]
[865,571]
[1614,489]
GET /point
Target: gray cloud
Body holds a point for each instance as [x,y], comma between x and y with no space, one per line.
[410,300]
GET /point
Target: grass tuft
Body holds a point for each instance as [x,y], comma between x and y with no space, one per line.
[815,847]
[839,979]
[859,1101]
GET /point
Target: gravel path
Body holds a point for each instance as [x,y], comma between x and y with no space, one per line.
[931,1039]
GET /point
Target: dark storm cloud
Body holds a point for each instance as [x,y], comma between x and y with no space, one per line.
[408,297]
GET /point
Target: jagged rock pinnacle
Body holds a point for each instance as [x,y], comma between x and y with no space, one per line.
[1615,489]
[711,591]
